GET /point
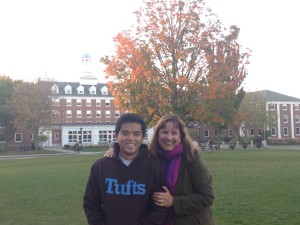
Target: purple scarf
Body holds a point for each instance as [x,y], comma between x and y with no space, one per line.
[171,164]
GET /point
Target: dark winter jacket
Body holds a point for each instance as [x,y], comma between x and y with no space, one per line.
[117,194]
[193,193]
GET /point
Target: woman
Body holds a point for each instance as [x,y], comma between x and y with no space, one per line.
[188,192]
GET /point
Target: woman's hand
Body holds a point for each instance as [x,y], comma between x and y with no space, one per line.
[164,199]
[109,153]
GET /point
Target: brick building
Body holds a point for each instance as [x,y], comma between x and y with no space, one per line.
[286,116]
[85,111]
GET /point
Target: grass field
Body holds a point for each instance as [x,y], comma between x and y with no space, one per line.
[252,187]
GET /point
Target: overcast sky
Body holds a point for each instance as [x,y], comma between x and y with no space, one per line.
[46,38]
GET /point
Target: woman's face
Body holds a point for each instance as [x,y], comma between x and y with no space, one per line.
[169,137]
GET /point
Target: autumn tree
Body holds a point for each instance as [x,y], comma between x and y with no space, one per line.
[254,113]
[7,115]
[176,59]
[32,105]
[224,113]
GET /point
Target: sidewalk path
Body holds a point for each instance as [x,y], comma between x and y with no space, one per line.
[58,151]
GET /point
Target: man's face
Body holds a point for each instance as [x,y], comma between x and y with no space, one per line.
[130,139]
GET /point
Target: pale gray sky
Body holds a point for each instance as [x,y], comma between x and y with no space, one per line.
[47,37]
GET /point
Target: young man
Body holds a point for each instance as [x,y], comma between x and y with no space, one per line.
[119,189]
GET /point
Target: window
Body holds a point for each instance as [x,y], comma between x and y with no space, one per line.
[107,114]
[88,113]
[98,102]
[272,107]
[18,137]
[68,89]
[146,136]
[230,133]
[87,136]
[80,90]
[216,133]
[258,131]
[206,133]
[106,136]
[2,137]
[69,102]
[98,114]
[73,136]
[297,131]
[55,102]
[284,107]
[104,90]
[56,136]
[78,102]
[31,136]
[274,118]
[102,136]
[285,119]
[69,113]
[117,113]
[54,89]
[297,118]
[273,131]
[107,103]
[285,131]
[92,90]
[88,102]
[296,107]
[55,113]
[251,131]
[78,114]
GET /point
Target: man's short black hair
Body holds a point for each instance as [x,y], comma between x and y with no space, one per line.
[130,117]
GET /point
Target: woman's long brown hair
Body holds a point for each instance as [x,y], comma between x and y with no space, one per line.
[189,146]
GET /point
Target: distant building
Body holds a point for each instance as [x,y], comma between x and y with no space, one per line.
[85,111]
[286,116]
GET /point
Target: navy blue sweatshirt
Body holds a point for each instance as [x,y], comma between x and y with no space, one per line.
[117,194]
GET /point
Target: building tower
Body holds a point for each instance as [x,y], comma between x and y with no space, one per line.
[86,76]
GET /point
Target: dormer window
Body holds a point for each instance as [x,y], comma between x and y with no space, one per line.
[68,89]
[92,90]
[80,90]
[104,90]
[54,89]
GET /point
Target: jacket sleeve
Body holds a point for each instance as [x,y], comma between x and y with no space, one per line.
[156,215]
[199,177]
[92,202]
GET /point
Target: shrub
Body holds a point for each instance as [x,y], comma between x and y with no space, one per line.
[245,142]
[66,147]
[258,141]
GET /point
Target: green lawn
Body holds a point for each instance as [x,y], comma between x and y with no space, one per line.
[252,187]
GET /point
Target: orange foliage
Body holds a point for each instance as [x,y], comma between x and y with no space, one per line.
[175,61]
